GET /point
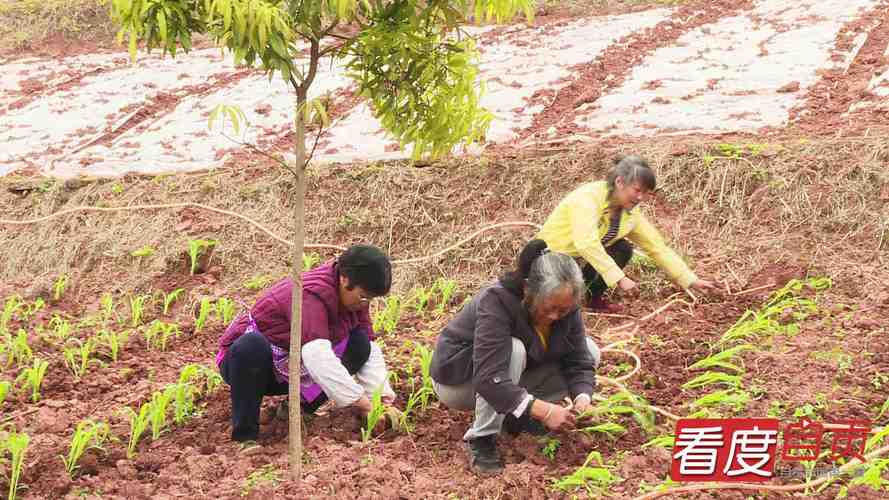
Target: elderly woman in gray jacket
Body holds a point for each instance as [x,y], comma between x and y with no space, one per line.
[515,352]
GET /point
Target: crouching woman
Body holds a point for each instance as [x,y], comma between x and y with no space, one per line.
[340,361]
[515,351]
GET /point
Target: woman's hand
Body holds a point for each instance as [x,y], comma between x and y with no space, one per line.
[704,286]
[581,403]
[626,284]
[553,416]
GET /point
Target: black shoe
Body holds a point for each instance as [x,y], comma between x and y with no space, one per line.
[243,435]
[524,423]
[483,456]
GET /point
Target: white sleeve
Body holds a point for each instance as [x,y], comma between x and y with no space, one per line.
[522,407]
[374,373]
[328,372]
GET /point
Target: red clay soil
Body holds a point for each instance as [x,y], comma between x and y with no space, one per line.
[826,104]
[614,64]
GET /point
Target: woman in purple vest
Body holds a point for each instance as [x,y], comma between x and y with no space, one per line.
[340,361]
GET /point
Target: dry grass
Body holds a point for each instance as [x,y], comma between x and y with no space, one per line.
[26,23]
[737,216]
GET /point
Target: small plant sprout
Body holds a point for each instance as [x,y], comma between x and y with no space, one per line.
[78,357]
[550,447]
[31,378]
[17,350]
[171,297]
[196,248]
[722,359]
[26,311]
[5,386]
[107,305]
[112,342]
[377,412]
[137,308]
[258,282]
[146,251]
[310,260]
[58,287]
[203,314]
[61,328]
[734,399]
[610,429]
[266,475]
[157,414]
[138,424]
[424,356]
[446,288]
[595,480]
[158,334]
[421,297]
[10,306]
[87,435]
[16,444]
[387,319]
[667,441]
[711,377]
[225,308]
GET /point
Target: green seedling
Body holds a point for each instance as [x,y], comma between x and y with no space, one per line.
[387,319]
[424,355]
[595,480]
[107,305]
[183,401]
[734,399]
[31,378]
[310,260]
[158,334]
[192,372]
[446,288]
[203,314]
[258,282]
[157,413]
[10,307]
[28,310]
[61,328]
[420,298]
[872,477]
[196,248]
[171,297]
[146,251]
[112,342]
[722,359]
[661,442]
[87,435]
[610,429]
[550,447]
[137,309]
[78,357]
[16,444]
[267,475]
[138,425]
[58,287]
[624,403]
[17,350]
[377,412]
[5,386]
[711,378]
[225,308]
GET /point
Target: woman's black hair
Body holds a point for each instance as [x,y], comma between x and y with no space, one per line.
[632,169]
[514,281]
[366,266]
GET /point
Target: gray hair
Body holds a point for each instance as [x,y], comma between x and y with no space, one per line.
[552,271]
[632,169]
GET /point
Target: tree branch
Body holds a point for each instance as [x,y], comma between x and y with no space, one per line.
[252,147]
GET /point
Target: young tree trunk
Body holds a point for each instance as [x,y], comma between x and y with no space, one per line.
[295,441]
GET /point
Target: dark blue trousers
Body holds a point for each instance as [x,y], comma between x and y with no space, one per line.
[247,369]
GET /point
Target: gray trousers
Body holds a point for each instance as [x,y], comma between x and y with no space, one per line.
[543,382]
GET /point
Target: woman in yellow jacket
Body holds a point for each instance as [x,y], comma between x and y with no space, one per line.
[594,223]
